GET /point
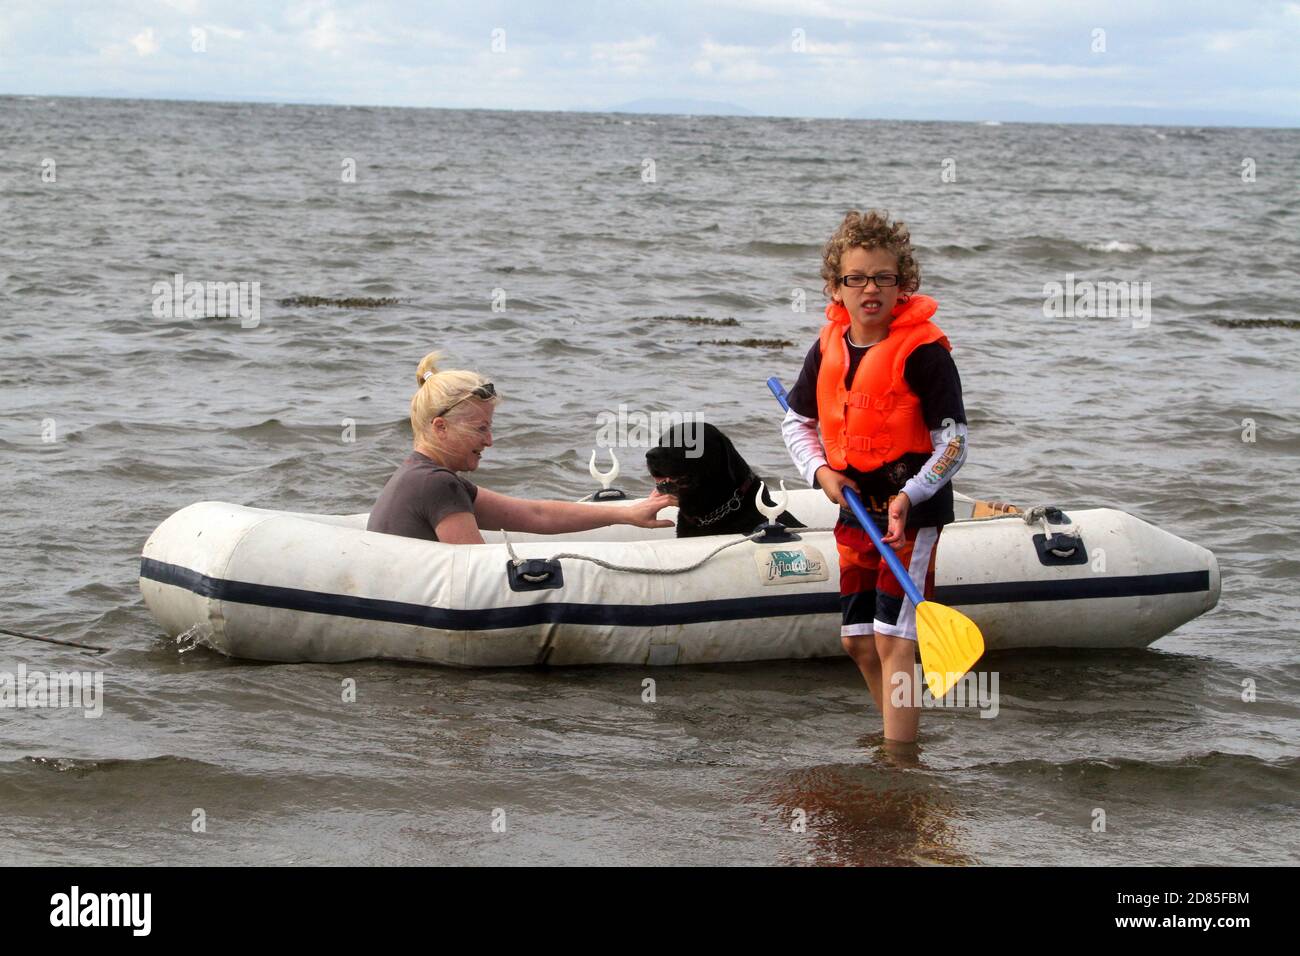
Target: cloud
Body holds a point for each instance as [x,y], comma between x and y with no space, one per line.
[226,32]
[625,56]
[997,70]
[334,33]
[1251,41]
[144,42]
[921,45]
[732,63]
[326,34]
[933,57]
[830,17]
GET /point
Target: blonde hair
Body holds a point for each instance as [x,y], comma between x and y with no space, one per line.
[437,391]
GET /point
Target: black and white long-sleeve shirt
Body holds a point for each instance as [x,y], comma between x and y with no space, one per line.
[926,478]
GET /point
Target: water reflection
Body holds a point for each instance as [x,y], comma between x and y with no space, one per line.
[885,811]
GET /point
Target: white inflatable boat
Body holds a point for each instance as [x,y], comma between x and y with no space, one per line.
[278,586]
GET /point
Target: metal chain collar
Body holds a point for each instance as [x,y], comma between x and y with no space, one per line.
[734,503]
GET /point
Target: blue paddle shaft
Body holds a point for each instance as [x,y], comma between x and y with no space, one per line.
[859,512]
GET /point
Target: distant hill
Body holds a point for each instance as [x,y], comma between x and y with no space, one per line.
[1009,112]
[686,107]
[1000,111]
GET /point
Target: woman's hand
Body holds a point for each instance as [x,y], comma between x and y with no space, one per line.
[899,506]
[642,514]
[831,481]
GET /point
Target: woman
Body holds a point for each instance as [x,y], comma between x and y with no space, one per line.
[451,416]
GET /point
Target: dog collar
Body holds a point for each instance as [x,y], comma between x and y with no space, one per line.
[734,503]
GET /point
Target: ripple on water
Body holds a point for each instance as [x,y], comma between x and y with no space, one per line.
[154,414]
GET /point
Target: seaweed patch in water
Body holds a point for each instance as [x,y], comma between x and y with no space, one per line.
[1258,323]
[729,321]
[750,343]
[351,302]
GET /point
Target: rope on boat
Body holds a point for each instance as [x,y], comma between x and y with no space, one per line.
[517,561]
[1032,515]
[1035,514]
[1038,515]
[1064,543]
[52,640]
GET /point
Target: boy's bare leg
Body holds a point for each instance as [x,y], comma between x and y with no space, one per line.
[898,655]
[862,648]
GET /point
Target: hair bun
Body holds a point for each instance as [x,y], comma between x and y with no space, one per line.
[427,368]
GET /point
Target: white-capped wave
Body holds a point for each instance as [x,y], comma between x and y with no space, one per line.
[1113,245]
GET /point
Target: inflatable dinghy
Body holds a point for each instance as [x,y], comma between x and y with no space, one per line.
[279,586]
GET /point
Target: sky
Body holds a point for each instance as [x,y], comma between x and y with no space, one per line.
[1191,62]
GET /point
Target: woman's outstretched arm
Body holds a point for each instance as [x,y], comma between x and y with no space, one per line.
[496,511]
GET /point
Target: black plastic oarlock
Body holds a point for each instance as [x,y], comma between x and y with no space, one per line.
[609,494]
[534,574]
[774,533]
[1060,549]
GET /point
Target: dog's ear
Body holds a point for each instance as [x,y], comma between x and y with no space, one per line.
[709,454]
[724,453]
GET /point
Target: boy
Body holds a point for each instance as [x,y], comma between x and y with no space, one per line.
[882,388]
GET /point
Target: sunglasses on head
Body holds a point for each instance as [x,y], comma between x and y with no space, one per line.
[485,391]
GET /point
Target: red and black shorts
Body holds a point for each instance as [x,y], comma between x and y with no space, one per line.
[871,600]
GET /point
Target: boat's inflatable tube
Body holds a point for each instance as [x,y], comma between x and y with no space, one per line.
[278,586]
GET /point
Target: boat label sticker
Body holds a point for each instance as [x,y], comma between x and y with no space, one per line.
[790,565]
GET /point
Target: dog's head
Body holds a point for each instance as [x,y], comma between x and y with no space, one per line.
[709,470]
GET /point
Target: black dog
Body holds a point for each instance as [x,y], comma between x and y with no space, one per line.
[715,489]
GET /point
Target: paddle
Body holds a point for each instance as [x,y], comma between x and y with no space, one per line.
[950,642]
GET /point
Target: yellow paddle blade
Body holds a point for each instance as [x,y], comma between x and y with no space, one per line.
[950,645]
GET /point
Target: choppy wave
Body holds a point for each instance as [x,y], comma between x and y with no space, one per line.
[1113,245]
[1208,777]
[155,414]
[781,250]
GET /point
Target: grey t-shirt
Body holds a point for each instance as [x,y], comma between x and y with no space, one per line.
[419,495]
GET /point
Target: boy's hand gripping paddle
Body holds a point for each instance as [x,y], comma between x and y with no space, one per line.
[950,642]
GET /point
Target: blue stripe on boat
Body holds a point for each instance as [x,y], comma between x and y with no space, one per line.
[639,615]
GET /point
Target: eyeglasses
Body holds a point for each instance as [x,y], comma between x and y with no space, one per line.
[485,391]
[856,280]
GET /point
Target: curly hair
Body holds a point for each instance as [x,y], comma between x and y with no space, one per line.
[871,231]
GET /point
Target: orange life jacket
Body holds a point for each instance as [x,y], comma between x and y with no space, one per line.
[879,418]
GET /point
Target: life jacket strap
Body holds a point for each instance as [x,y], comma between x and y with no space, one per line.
[885,403]
[880,444]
